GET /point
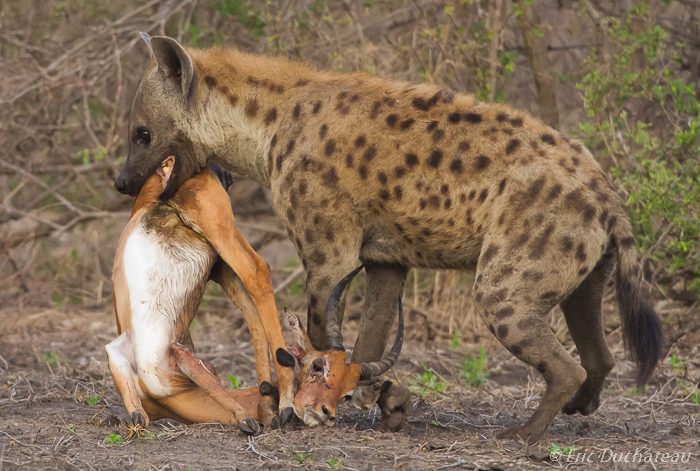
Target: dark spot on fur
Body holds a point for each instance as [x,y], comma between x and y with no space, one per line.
[542,367]
[516,350]
[323,131]
[406,124]
[473,118]
[512,146]
[432,125]
[426,231]
[330,148]
[444,189]
[290,216]
[391,120]
[554,193]
[483,195]
[464,146]
[516,122]
[309,236]
[491,328]
[567,243]
[575,161]
[506,271]
[575,200]
[296,111]
[349,160]
[456,166]
[502,117]
[398,193]
[448,203]
[489,253]
[434,201]
[210,81]
[384,194]
[501,187]
[438,135]
[603,217]
[330,178]
[360,141]
[399,172]
[251,108]
[317,107]
[582,271]
[435,159]
[273,142]
[318,258]
[581,253]
[548,139]
[233,100]
[540,243]
[381,176]
[370,153]
[411,160]
[588,213]
[520,241]
[454,118]
[301,83]
[376,106]
[481,162]
[549,295]
[270,116]
[612,222]
[422,203]
[362,170]
[472,194]
[502,331]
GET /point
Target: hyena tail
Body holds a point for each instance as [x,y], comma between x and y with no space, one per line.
[641,329]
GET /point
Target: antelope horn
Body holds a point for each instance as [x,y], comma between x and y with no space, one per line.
[335,338]
[376,368]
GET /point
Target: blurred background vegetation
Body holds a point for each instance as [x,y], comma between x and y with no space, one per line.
[621,75]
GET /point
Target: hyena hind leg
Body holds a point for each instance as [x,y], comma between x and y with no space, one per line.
[582,310]
[516,319]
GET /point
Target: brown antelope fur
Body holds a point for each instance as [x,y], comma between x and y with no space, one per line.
[160,272]
[401,175]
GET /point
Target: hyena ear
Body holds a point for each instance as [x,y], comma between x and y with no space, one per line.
[173,62]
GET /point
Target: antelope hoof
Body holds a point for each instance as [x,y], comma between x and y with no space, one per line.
[275,423]
[287,415]
[249,427]
[396,404]
[135,419]
[519,433]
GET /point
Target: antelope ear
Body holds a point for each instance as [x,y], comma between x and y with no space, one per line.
[173,62]
[297,340]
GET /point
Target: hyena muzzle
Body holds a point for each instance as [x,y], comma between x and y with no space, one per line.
[399,175]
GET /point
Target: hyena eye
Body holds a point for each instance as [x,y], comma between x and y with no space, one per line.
[142,136]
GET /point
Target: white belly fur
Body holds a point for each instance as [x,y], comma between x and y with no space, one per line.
[160,275]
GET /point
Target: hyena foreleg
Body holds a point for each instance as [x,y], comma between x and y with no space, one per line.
[385,284]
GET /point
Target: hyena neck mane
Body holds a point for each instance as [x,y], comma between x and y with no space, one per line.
[242,101]
[251,111]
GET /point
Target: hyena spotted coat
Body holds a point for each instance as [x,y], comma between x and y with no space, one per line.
[400,175]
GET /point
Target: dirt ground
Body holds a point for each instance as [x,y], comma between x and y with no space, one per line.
[53,365]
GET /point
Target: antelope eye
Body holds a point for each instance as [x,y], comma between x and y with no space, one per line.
[142,136]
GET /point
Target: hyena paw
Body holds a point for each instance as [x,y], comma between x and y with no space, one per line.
[396,404]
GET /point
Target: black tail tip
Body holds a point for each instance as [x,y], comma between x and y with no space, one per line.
[649,343]
[641,329]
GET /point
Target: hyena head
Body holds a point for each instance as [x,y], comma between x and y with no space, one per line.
[164,98]
[325,377]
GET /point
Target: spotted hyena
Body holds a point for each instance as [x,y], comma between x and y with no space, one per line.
[400,175]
